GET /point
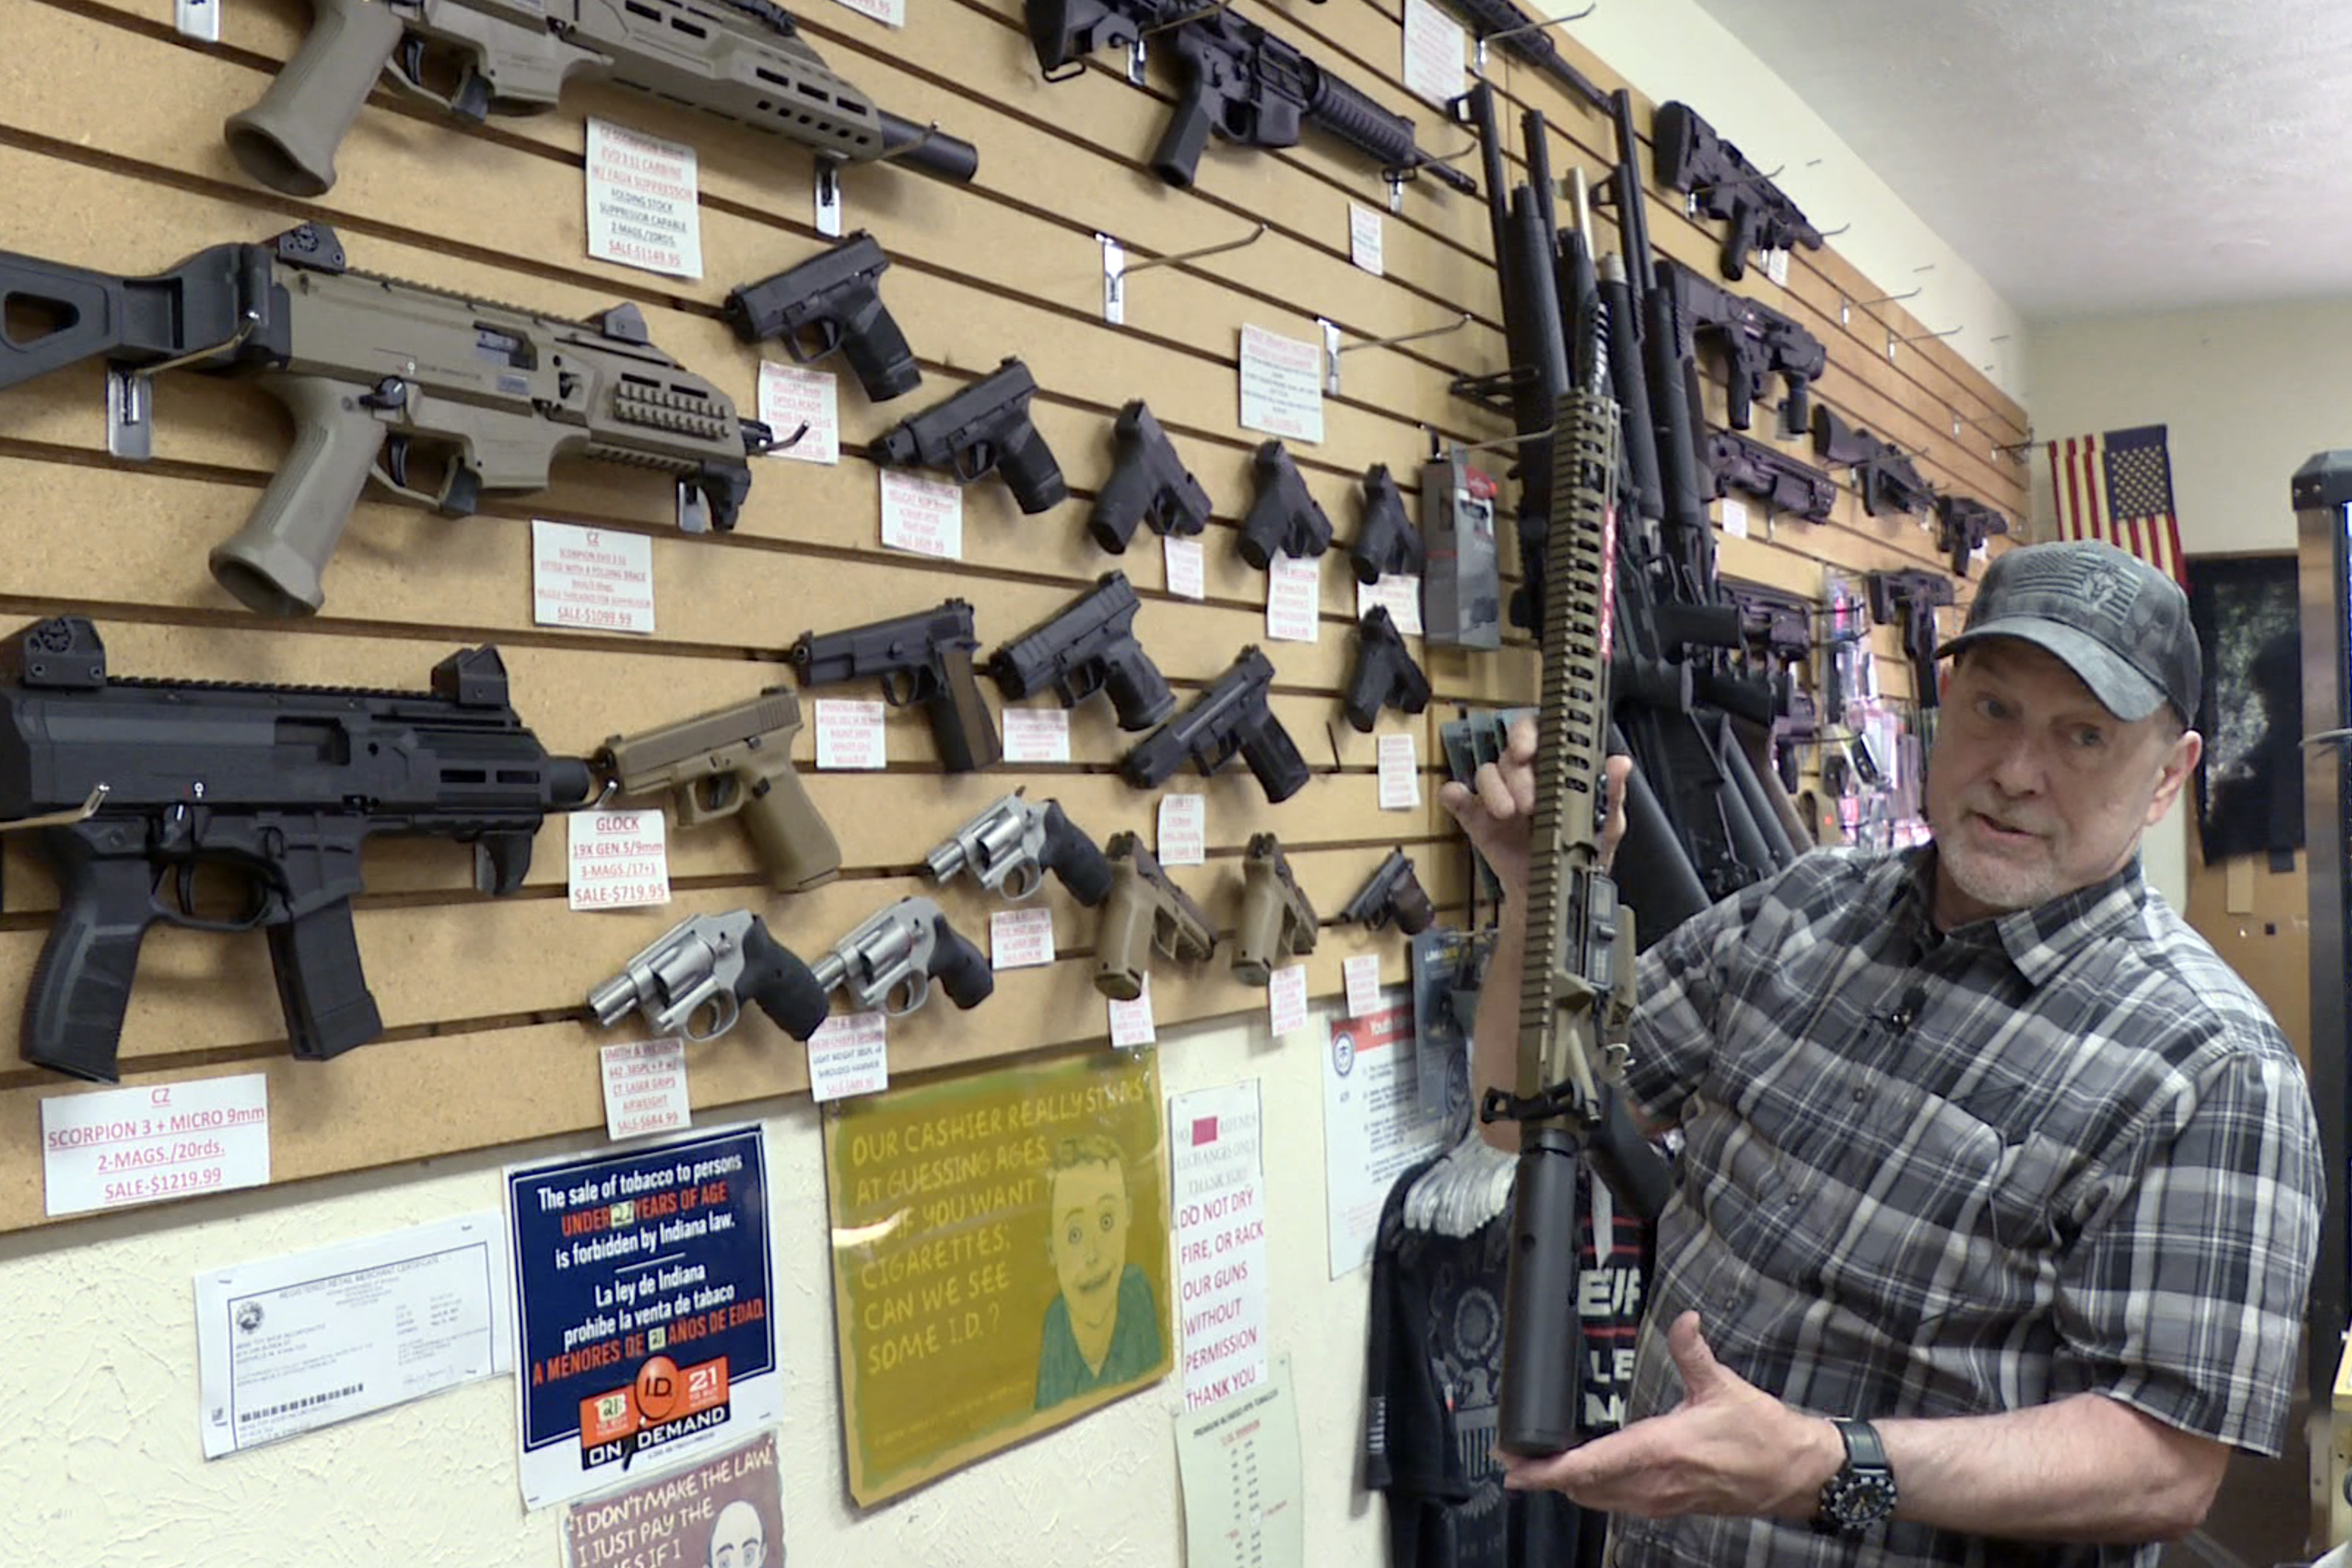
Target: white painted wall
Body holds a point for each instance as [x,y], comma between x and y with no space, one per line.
[99,1459]
[1672,49]
[2248,393]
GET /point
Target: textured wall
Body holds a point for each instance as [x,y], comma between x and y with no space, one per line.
[102,1462]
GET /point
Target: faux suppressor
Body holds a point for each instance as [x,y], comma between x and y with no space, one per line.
[735,762]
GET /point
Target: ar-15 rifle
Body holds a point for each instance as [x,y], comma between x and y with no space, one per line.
[130,787]
[1693,159]
[1962,525]
[1576,997]
[1908,600]
[1239,80]
[743,60]
[1883,473]
[1782,482]
[1758,340]
[377,373]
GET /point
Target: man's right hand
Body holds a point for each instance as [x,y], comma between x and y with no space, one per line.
[1494,806]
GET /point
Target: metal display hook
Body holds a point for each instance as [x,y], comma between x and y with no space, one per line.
[1892,341]
[1847,308]
[1437,444]
[129,408]
[1478,54]
[1116,268]
[66,819]
[1333,348]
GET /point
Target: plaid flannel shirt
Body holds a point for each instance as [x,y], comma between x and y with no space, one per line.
[1926,1173]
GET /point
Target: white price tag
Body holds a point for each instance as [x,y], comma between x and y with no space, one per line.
[1294,598]
[594,579]
[1183,830]
[792,397]
[644,1088]
[1285,999]
[1365,238]
[1735,517]
[1282,385]
[1037,734]
[1187,567]
[891,13]
[642,209]
[1362,974]
[1020,939]
[848,734]
[129,1146]
[1130,1022]
[198,19]
[1400,774]
[1776,266]
[922,516]
[620,860]
[849,1054]
[1433,52]
[1400,592]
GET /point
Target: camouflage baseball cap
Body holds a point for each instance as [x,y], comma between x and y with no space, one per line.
[2115,621]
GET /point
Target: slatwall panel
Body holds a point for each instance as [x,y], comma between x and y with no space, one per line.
[108,139]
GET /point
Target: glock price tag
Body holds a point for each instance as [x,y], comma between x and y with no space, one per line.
[198,19]
[1294,598]
[849,1054]
[1401,592]
[1020,939]
[619,860]
[1183,829]
[1400,774]
[1285,999]
[1130,1022]
[848,734]
[1187,568]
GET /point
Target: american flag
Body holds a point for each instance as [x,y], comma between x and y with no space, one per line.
[2118,488]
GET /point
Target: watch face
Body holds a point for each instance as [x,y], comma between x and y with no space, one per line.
[1858,1498]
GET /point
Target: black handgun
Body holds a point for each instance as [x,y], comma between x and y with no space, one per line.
[924,657]
[1393,892]
[1384,675]
[1883,473]
[1386,540]
[982,429]
[132,789]
[1088,645]
[1910,599]
[1284,519]
[1758,340]
[1962,524]
[1722,184]
[1231,716]
[827,303]
[1148,483]
[1249,87]
[1782,482]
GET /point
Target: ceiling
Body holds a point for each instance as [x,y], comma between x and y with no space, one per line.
[2090,157]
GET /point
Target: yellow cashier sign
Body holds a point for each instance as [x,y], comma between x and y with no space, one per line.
[1000,1259]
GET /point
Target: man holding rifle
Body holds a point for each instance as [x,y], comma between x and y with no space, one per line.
[1999,1192]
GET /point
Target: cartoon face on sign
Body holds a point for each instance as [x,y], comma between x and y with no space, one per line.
[737,1539]
[1103,1329]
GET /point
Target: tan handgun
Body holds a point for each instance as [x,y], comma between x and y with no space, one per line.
[1278,921]
[737,762]
[1145,910]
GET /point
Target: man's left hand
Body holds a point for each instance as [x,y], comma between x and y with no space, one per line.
[1729,1448]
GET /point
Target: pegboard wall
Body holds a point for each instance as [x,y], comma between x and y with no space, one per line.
[110,135]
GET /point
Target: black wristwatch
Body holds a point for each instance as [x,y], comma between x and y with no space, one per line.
[1862,1491]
